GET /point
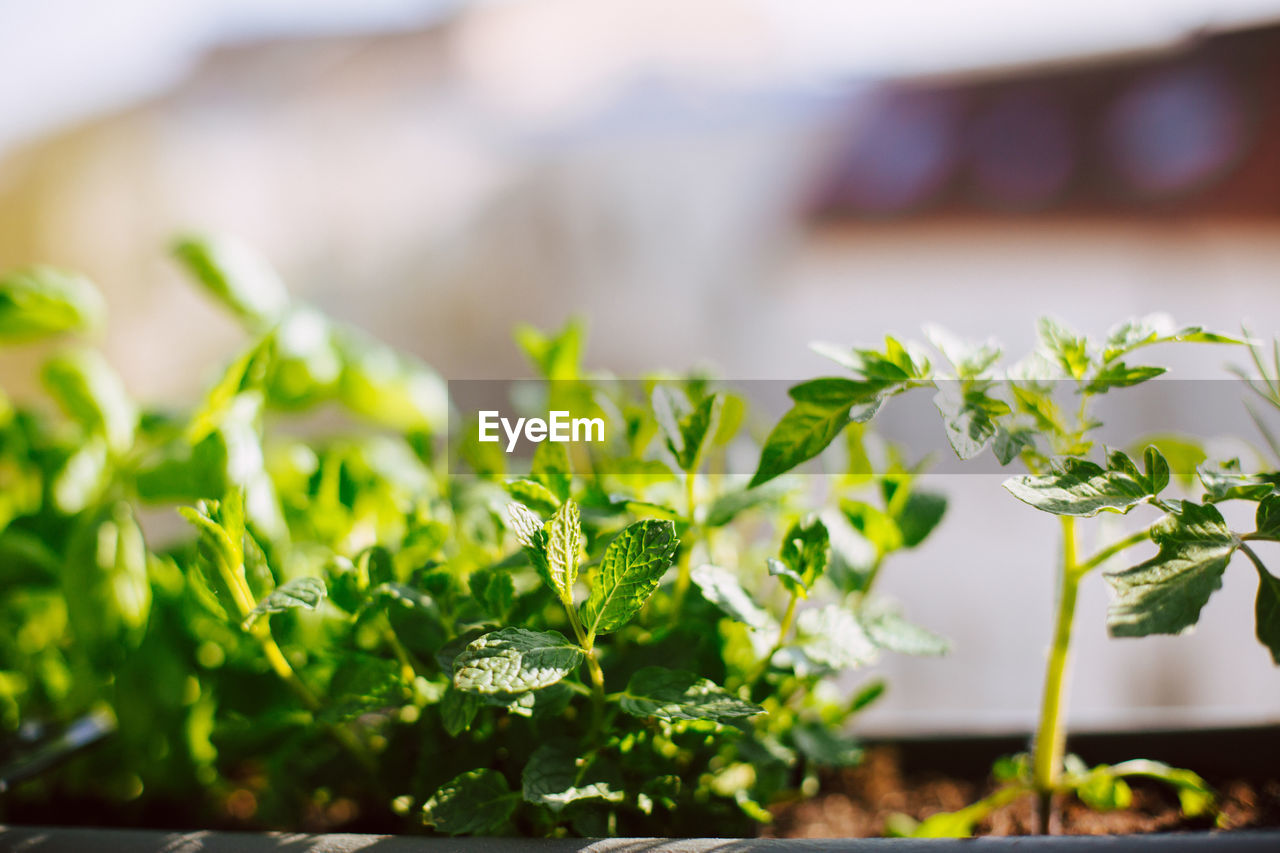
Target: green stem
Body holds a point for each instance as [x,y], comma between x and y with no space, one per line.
[684,568]
[1050,740]
[1113,549]
[784,628]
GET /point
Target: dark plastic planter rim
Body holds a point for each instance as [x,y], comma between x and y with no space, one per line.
[23,839]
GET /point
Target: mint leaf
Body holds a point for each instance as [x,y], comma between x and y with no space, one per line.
[239,278]
[805,551]
[532,493]
[556,776]
[722,589]
[829,639]
[564,550]
[1079,487]
[823,408]
[685,428]
[826,748]
[629,572]
[889,629]
[494,589]
[458,709]
[477,802]
[672,694]
[1165,594]
[93,394]
[921,513]
[39,301]
[1067,348]
[512,661]
[305,593]
[1267,519]
[729,505]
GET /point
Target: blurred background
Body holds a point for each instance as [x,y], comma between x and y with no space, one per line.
[715,183]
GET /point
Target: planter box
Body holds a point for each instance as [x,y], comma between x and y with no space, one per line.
[1237,752]
[58,840]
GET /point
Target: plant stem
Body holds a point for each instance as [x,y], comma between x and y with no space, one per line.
[1050,740]
[683,568]
[784,628]
[1113,549]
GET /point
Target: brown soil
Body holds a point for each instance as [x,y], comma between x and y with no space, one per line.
[857,801]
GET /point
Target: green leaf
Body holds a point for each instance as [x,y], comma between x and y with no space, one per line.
[729,505]
[1165,594]
[1103,791]
[532,493]
[805,551]
[556,776]
[722,589]
[360,684]
[239,278]
[1194,794]
[1069,349]
[829,639]
[1120,375]
[1156,329]
[685,428]
[92,394]
[551,468]
[494,589]
[186,472]
[921,513]
[1007,445]
[1225,482]
[512,661]
[564,550]
[477,802]
[672,694]
[791,578]
[305,593]
[458,709]
[823,408]
[39,301]
[889,630]
[1267,519]
[557,356]
[875,525]
[1079,487]
[826,748]
[629,572]
[968,415]
[1266,613]
[969,358]
[531,533]
[247,373]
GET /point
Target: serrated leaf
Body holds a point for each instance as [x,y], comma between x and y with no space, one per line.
[686,428]
[1079,487]
[672,694]
[40,300]
[511,661]
[968,414]
[556,776]
[629,572]
[889,629]
[1165,594]
[823,408]
[304,593]
[806,548]
[1069,349]
[829,639]
[564,550]
[474,803]
[722,589]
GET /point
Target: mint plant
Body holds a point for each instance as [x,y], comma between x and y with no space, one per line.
[1020,414]
[301,603]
